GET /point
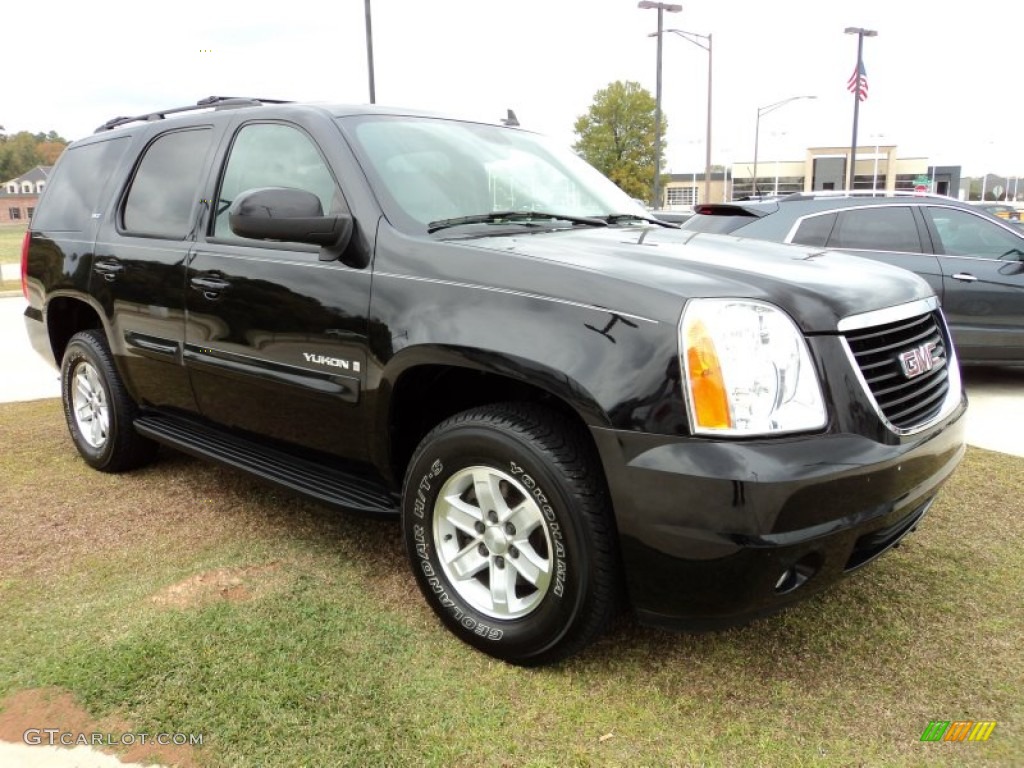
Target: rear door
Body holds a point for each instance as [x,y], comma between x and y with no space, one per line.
[138,273]
[982,266]
[276,335]
[890,233]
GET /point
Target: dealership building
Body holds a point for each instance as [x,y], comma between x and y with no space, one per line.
[823,169]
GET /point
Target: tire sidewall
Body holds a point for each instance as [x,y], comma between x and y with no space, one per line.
[78,352]
[475,445]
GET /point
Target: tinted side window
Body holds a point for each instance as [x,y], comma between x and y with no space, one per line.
[815,230]
[274,155]
[165,189]
[964,234]
[885,228]
[73,195]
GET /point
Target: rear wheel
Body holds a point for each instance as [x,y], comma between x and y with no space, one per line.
[98,409]
[510,534]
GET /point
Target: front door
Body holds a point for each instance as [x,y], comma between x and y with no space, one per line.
[276,336]
[889,233]
[983,278]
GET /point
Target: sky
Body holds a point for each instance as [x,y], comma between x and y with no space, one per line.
[944,78]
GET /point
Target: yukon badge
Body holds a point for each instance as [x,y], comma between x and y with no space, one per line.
[334,362]
[918,360]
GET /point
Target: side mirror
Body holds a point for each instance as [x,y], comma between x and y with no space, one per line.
[289,215]
[1015,263]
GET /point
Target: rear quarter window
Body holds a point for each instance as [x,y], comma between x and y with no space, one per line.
[815,230]
[76,189]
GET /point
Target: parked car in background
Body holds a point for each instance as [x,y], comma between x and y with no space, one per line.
[973,260]
[1001,210]
[672,217]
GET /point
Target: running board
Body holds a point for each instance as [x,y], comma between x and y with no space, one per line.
[332,486]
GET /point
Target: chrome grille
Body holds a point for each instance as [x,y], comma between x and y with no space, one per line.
[907,399]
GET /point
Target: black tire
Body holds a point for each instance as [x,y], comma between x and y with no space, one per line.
[531,595]
[97,407]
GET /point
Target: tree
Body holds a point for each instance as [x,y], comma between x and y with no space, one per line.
[616,136]
[48,151]
[23,151]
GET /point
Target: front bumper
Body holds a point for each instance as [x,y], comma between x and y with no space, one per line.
[714,533]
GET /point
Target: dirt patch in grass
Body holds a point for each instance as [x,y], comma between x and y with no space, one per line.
[232,584]
[40,709]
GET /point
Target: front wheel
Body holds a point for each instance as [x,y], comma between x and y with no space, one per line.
[97,407]
[509,531]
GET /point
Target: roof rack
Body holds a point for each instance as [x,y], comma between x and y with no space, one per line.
[824,193]
[216,102]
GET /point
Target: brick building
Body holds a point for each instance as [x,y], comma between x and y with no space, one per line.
[18,197]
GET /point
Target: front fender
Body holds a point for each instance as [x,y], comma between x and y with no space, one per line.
[451,303]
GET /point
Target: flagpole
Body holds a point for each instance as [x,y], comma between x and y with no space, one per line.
[861,34]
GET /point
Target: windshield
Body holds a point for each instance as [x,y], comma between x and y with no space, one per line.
[428,170]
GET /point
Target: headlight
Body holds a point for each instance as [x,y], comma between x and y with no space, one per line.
[747,370]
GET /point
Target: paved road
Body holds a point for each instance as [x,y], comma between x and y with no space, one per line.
[995,420]
[45,756]
[23,373]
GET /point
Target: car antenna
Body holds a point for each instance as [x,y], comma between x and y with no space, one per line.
[511,120]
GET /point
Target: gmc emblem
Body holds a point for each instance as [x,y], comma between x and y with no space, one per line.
[918,360]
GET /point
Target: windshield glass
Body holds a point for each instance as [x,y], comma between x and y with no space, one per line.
[428,170]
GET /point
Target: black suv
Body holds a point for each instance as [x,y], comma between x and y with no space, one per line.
[568,403]
[973,260]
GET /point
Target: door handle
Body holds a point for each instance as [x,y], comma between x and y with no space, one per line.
[209,283]
[211,287]
[965,277]
[108,268]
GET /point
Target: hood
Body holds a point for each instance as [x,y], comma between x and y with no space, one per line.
[817,287]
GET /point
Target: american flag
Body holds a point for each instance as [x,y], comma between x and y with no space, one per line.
[858,82]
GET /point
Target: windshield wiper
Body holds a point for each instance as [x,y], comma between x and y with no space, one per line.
[618,218]
[517,217]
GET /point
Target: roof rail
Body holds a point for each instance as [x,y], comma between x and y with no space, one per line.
[216,102]
[826,193]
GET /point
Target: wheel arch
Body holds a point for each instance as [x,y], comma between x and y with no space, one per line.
[421,388]
[66,315]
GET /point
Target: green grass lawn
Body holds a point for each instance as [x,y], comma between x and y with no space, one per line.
[188,598]
[11,236]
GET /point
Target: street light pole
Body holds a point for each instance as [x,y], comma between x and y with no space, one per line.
[661,7]
[757,129]
[874,173]
[707,149]
[369,52]
[861,33]
[757,138]
[702,41]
